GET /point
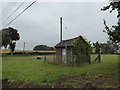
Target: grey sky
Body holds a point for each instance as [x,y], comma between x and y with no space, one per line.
[40,23]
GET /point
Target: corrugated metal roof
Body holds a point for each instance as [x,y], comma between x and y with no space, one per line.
[68,42]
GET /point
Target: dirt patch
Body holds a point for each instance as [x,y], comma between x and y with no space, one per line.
[89,81]
[80,81]
[21,84]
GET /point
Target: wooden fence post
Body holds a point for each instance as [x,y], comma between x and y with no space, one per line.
[44,58]
[54,58]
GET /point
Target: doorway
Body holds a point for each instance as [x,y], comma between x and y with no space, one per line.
[64,56]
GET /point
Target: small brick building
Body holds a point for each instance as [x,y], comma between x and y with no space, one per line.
[64,51]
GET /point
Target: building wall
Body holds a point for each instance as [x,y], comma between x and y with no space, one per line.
[58,56]
[69,55]
[70,58]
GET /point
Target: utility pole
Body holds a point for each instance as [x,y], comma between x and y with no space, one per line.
[24,48]
[60,29]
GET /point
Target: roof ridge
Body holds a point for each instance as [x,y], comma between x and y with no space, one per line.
[73,38]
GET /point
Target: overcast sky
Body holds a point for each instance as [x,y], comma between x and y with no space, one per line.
[40,23]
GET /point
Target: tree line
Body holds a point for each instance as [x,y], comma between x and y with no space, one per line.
[43,47]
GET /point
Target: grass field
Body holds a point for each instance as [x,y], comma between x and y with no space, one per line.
[28,68]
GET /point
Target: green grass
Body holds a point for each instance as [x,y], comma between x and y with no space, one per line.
[28,68]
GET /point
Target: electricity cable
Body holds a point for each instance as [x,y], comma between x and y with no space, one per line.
[21,12]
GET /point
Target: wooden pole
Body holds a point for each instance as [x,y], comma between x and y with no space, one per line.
[60,29]
[24,48]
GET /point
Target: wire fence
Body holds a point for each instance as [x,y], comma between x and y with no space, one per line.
[47,58]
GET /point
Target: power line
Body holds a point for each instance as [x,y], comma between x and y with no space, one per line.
[21,12]
[11,7]
[14,11]
[9,10]
[5,8]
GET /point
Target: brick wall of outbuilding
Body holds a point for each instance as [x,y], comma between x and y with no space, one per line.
[58,56]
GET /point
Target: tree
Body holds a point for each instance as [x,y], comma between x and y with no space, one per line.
[12,47]
[97,50]
[109,47]
[9,37]
[106,48]
[5,38]
[43,47]
[81,50]
[114,31]
[97,47]
[80,47]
